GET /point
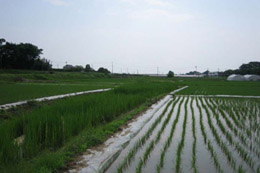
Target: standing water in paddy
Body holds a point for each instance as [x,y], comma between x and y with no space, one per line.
[189,139]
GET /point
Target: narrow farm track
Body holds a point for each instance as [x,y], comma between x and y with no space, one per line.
[196,134]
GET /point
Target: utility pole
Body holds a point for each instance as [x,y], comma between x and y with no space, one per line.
[157,71]
[112,67]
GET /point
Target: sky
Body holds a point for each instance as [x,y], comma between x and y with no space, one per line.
[137,36]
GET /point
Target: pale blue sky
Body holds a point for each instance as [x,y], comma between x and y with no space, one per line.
[138,34]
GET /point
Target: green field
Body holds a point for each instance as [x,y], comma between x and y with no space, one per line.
[215,86]
[55,132]
[50,127]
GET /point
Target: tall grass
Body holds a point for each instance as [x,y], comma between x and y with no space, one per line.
[49,127]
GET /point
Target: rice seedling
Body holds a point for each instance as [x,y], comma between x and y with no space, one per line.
[169,140]
[181,144]
[207,141]
[241,169]
[222,145]
[236,133]
[214,155]
[127,160]
[154,141]
[242,152]
[194,138]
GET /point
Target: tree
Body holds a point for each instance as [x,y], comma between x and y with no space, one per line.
[78,68]
[21,56]
[103,70]
[88,68]
[170,74]
[250,68]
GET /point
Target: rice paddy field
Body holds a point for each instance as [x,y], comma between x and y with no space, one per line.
[191,132]
[197,134]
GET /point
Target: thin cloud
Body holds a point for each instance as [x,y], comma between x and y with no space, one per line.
[159,13]
[158,2]
[58,2]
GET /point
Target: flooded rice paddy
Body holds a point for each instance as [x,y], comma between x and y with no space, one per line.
[194,134]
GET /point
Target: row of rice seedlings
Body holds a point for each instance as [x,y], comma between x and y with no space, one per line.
[207,141]
[243,127]
[194,138]
[238,134]
[181,144]
[127,160]
[241,169]
[222,145]
[169,140]
[154,141]
[242,152]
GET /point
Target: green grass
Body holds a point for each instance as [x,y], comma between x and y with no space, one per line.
[220,86]
[24,91]
[50,127]
[52,161]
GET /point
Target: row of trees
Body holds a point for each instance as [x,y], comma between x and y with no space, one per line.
[250,68]
[27,56]
[79,68]
[22,56]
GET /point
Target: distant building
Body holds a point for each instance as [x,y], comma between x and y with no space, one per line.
[252,77]
[68,67]
[236,77]
[213,74]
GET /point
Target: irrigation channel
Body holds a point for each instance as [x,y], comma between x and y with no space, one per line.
[184,134]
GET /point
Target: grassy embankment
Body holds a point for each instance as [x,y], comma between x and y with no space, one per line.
[54,134]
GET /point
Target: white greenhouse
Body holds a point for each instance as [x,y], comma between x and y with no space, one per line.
[252,77]
[236,77]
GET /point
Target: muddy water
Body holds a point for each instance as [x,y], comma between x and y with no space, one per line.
[96,160]
[247,145]
[171,154]
[204,161]
[124,153]
[154,159]
[186,163]
[132,167]
[221,157]
[232,148]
